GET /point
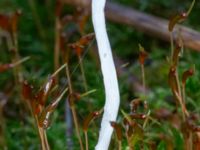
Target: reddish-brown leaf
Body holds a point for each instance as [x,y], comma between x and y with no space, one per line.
[5,67]
[27,90]
[163,113]
[137,116]
[44,92]
[142,55]
[85,40]
[176,19]
[197,141]
[73,98]
[89,119]
[14,20]
[4,22]
[134,104]
[82,22]
[172,80]
[9,23]
[118,130]
[44,119]
[175,57]
[78,49]
[59,6]
[36,107]
[79,45]
[186,75]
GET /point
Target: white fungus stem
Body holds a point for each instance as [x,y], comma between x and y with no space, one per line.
[109,75]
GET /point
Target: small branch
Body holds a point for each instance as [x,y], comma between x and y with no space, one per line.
[149,24]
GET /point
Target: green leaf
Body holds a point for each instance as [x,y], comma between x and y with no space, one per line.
[161,146]
[178,139]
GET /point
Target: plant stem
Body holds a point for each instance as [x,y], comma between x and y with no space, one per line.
[77,127]
[83,73]
[17,73]
[180,97]
[190,141]
[119,144]
[183,108]
[45,139]
[68,113]
[128,141]
[146,120]
[2,130]
[143,78]
[57,43]
[41,138]
[84,78]
[172,45]
[178,82]
[183,93]
[86,140]
[40,132]
[69,79]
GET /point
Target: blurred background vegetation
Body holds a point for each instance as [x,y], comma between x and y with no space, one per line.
[36,39]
